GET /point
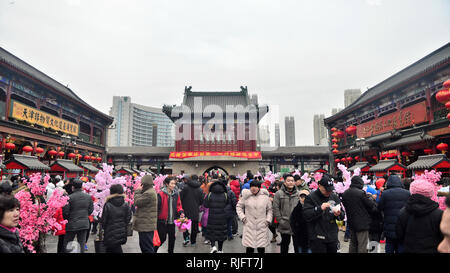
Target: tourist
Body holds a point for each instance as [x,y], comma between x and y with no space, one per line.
[249,178]
[274,187]
[230,210]
[321,210]
[216,200]
[254,209]
[393,198]
[417,228]
[145,218]
[191,199]
[358,207]
[236,188]
[116,215]
[300,183]
[77,211]
[9,219]
[5,188]
[299,226]
[169,209]
[444,246]
[284,202]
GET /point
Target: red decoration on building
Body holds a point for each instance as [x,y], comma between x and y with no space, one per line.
[10,146]
[427,151]
[443,147]
[93,158]
[335,140]
[337,160]
[87,158]
[349,159]
[249,154]
[71,155]
[446,84]
[52,153]
[27,149]
[406,154]
[357,158]
[340,134]
[351,130]
[374,157]
[335,146]
[443,96]
[39,150]
[334,134]
[335,151]
[99,159]
[333,129]
[61,154]
[447,105]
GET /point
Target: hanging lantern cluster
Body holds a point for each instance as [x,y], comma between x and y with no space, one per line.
[443,147]
[443,96]
[351,130]
[406,154]
[337,134]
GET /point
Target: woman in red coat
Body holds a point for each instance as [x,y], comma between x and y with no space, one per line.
[60,233]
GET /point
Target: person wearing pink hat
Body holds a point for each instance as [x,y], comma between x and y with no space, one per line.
[418,225]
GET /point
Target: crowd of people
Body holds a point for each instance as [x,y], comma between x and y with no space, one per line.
[399,213]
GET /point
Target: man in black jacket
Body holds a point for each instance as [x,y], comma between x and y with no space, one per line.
[358,206]
[191,199]
[77,212]
[321,210]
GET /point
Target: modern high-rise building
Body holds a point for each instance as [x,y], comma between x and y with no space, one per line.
[277,135]
[334,111]
[350,95]
[289,126]
[320,132]
[264,135]
[138,125]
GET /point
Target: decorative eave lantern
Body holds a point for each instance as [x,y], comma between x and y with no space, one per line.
[39,150]
[340,134]
[10,146]
[357,158]
[99,159]
[335,146]
[335,140]
[428,151]
[351,130]
[27,149]
[337,160]
[71,155]
[335,151]
[349,159]
[61,154]
[52,153]
[87,158]
[447,105]
[333,129]
[443,147]
[443,96]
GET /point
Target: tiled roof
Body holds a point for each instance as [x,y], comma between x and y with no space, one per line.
[385,136]
[89,166]
[356,150]
[360,165]
[127,170]
[427,161]
[383,165]
[433,59]
[68,165]
[19,64]
[297,150]
[30,162]
[405,140]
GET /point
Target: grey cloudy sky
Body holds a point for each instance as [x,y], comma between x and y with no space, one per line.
[298,54]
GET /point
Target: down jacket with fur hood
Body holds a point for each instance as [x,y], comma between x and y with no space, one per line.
[257,212]
[115,218]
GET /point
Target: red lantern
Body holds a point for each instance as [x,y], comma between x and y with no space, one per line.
[334,134]
[335,151]
[443,96]
[406,154]
[71,155]
[349,159]
[27,149]
[335,140]
[86,157]
[443,147]
[357,158]
[448,116]
[447,105]
[61,154]
[93,158]
[340,134]
[333,129]
[374,157]
[39,150]
[99,159]
[427,151]
[335,146]
[10,146]
[351,130]
[52,153]
[446,84]
[337,160]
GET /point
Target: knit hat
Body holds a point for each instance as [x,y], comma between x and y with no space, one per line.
[422,187]
[380,183]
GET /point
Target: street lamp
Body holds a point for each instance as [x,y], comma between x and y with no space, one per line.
[360,142]
[66,140]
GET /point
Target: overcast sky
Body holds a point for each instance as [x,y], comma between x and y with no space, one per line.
[299,55]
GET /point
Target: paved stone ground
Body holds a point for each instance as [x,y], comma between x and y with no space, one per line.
[233,246]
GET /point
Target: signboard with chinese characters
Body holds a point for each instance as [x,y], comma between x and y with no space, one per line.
[406,117]
[249,155]
[32,115]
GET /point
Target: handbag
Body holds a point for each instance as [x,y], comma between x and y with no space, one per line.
[98,242]
[156,240]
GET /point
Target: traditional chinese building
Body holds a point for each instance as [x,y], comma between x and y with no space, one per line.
[41,117]
[398,119]
[215,130]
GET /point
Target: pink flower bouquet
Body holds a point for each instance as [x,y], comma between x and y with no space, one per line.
[183,224]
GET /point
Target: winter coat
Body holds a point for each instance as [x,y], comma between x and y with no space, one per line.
[191,199]
[358,206]
[115,218]
[230,209]
[284,203]
[169,206]
[299,226]
[77,211]
[246,186]
[321,224]
[418,225]
[236,188]
[392,200]
[146,215]
[10,241]
[257,210]
[303,186]
[216,201]
[59,218]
